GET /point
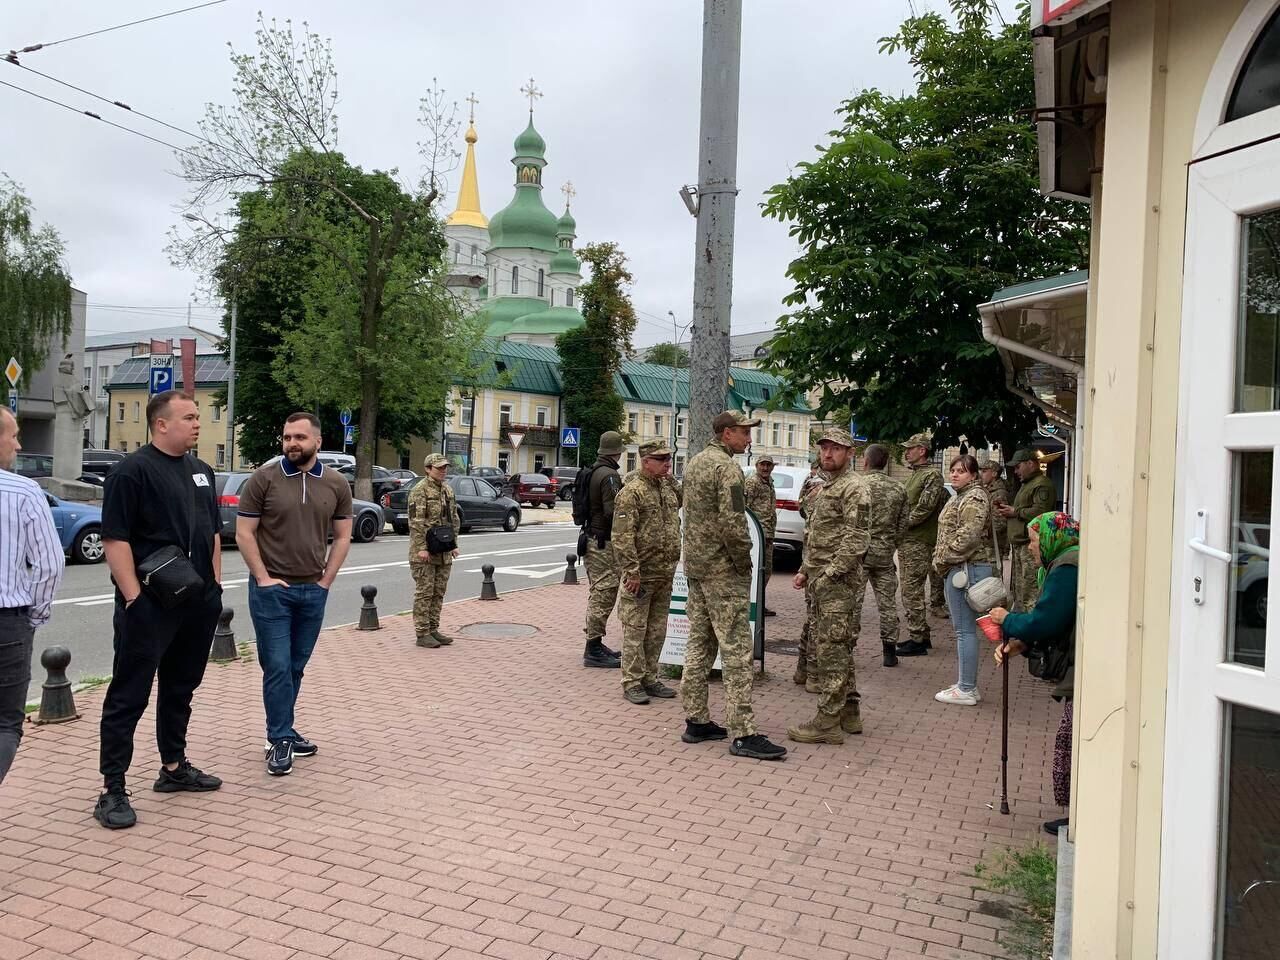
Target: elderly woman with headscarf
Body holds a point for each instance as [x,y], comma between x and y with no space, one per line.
[1047,634]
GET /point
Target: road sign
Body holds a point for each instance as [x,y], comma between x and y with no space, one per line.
[161,373]
[514,437]
[350,435]
[12,371]
[569,436]
[13,402]
[345,416]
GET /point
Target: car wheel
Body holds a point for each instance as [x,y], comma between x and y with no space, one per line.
[88,546]
[367,527]
[511,522]
[1255,604]
[566,493]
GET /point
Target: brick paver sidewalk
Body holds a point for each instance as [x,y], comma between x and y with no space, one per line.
[495,799]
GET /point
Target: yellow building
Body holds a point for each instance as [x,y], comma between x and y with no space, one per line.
[1164,365]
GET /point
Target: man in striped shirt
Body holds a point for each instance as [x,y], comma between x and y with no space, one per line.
[30,569]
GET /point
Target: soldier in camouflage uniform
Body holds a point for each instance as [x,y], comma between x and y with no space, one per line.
[805,665]
[998,494]
[717,565]
[602,570]
[1034,497]
[839,534]
[887,523]
[431,504]
[646,546]
[763,502]
[925,497]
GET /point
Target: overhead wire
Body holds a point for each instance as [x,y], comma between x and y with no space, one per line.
[32,48]
[94,116]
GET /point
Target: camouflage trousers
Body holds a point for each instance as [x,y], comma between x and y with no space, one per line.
[718,612]
[834,629]
[429,583]
[644,629]
[1022,582]
[915,561]
[766,561]
[937,597]
[602,574]
[805,665]
[884,584]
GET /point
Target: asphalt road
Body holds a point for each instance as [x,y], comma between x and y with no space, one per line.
[533,555]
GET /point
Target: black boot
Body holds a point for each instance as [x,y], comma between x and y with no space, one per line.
[913,648]
[597,654]
[890,654]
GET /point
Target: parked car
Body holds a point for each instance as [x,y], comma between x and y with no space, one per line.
[479,505]
[336,458]
[789,539]
[564,478]
[403,475]
[1252,562]
[491,474]
[383,481]
[367,517]
[79,528]
[99,463]
[37,465]
[531,488]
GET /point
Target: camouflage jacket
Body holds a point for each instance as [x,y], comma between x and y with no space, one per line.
[924,503]
[964,530]
[431,504]
[1033,498]
[646,528]
[838,528]
[888,520]
[717,545]
[998,494]
[763,502]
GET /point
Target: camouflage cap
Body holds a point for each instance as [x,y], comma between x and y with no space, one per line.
[733,418]
[610,444]
[764,458]
[922,439]
[435,460]
[655,448]
[836,435]
[1025,455]
[986,463]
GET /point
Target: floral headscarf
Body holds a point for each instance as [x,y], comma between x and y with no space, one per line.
[1058,533]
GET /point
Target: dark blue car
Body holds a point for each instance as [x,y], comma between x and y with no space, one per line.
[79,527]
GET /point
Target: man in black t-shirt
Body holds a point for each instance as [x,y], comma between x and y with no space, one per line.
[159,496]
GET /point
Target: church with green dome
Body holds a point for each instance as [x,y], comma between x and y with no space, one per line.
[517,269]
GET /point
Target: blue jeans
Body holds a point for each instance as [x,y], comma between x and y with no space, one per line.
[16,635]
[287,621]
[966,623]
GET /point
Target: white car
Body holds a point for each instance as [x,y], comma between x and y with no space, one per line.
[788,541]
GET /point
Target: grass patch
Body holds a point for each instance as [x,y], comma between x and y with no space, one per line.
[1030,875]
[88,683]
[670,671]
[245,649]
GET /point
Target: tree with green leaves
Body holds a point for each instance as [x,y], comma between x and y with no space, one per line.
[920,208]
[35,288]
[377,327]
[668,355]
[592,354]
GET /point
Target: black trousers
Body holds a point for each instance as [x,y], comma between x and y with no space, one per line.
[149,642]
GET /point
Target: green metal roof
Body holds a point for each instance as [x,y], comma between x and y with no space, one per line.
[1043,285]
[651,383]
[521,367]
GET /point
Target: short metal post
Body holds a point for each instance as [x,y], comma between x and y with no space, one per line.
[368,609]
[224,640]
[571,569]
[57,705]
[488,589]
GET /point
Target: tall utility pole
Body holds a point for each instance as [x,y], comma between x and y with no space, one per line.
[717,195]
[231,392]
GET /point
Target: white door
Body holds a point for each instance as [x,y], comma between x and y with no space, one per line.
[1220,891]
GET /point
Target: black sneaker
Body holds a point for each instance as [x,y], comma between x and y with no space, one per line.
[1051,826]
[695,732]
[770,613]
[302,747]
[280,759]
[613,653]
[660,690]
[113,809]
[913,648]
[600,656]
[758,747]
[186,777]
[635,695]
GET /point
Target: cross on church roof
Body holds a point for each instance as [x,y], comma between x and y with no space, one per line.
[473,101]
[569,193]
[532,92]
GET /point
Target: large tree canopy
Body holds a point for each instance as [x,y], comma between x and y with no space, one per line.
[35,289]
[919,208]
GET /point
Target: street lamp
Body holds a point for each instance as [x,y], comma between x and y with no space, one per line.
[231,366]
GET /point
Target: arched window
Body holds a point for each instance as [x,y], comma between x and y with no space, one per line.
[1258,86]
[515,279]
[475,253]
[457,251]
[568,297]
[542,283]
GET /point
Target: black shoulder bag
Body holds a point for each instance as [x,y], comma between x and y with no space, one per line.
[168,575]
[440,538]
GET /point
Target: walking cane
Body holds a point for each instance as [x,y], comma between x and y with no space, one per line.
[1004,736]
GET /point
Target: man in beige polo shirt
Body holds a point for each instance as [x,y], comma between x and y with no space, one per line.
[287,509]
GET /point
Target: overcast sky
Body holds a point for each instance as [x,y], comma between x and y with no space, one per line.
[619,114]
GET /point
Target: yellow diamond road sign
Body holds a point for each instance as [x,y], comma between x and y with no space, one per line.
[13,371]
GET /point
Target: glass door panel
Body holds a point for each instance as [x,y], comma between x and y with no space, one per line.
[1251,553]
[1258,339]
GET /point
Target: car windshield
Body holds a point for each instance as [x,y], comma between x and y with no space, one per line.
[782,481]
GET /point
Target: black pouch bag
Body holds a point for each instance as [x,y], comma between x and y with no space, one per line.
[440,539]
[167,575]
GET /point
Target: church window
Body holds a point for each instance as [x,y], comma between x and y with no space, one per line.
[515,279]
[542,283]
[553,296]
[568,297]
[457,251]
[475,253]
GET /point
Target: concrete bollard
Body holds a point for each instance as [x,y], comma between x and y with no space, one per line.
[570,569]
[57,705]
[488,589]
[224,640]
[368,609]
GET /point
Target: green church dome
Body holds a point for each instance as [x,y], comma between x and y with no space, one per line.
[524,222]
[499,313]
[565,262]
[554,320]
[566,224]
[530,143]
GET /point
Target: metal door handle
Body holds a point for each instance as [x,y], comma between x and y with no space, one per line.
[1197,543]
[1199,546]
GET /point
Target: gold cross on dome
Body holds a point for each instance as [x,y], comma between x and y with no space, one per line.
[569,193]
[532,92]
[473,101]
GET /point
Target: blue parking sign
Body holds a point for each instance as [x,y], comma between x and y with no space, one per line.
[569,436]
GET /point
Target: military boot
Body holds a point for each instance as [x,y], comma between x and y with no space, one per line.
[801,676]
[443,639]
[821,729]
[851,718]
[811,685]
[914,648]
[427,640]
[890,653]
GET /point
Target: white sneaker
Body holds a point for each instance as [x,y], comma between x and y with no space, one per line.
[958,696]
